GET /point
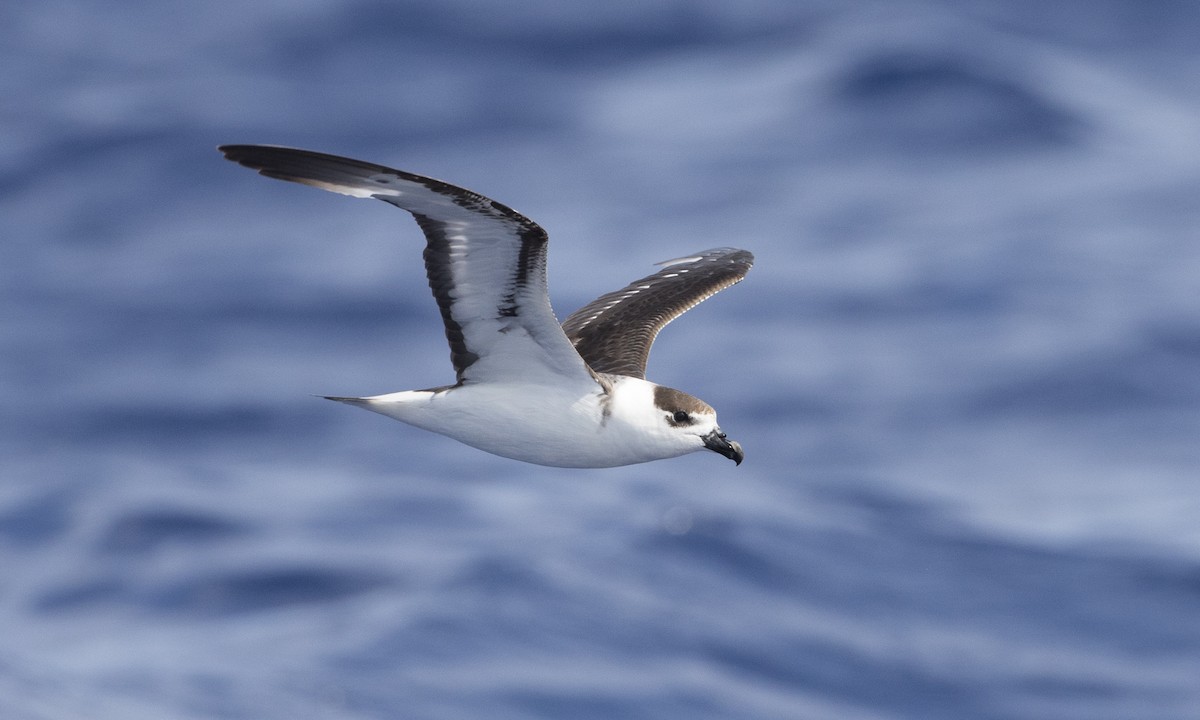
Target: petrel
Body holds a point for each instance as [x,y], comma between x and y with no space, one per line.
[571,395]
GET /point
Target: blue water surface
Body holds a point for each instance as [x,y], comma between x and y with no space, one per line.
[965,369]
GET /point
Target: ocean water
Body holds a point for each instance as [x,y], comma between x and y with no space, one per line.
[965,370]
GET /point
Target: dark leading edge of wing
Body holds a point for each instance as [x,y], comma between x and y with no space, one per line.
[486,266]
[485,261]
[614,332]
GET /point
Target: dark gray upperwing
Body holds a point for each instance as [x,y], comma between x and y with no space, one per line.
[614,332]
[486,263]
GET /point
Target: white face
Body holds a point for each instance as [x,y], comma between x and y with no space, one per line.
[692,424]
[671,420]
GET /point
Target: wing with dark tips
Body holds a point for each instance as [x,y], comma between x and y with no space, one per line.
[614,332]
[486,263]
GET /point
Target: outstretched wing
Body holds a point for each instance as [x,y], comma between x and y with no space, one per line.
[614,332]
[486,262]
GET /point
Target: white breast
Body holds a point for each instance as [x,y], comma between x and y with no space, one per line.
[575,425]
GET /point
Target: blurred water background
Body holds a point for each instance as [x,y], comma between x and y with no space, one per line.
[966,368]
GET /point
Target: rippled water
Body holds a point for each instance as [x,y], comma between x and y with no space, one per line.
[965,368]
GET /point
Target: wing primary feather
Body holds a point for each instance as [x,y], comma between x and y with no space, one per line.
[614,332]
[485,262]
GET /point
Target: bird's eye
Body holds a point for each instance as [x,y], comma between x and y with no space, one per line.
[681,416]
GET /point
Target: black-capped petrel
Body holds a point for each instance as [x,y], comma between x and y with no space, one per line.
[527,388]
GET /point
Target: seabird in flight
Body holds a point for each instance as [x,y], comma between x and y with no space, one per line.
[527,388]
